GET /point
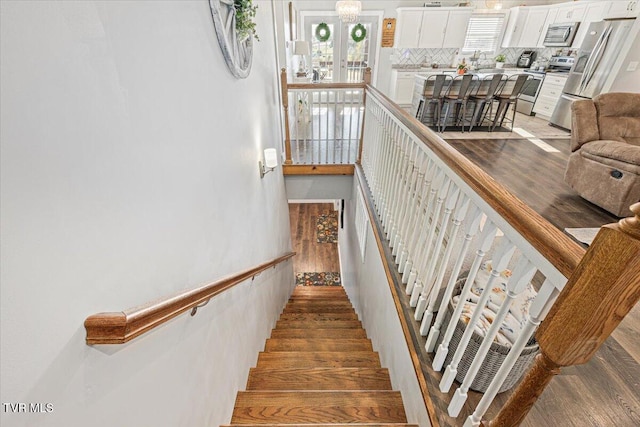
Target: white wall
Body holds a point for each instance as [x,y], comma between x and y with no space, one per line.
[129,172]
[367,287]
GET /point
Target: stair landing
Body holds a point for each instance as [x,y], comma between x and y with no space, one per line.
[319,369]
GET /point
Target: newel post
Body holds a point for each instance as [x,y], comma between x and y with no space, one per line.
[366,81]
[600,292]
[285,106]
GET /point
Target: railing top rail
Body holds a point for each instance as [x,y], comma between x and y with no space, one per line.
[121,327]
[325,86]
[562,252]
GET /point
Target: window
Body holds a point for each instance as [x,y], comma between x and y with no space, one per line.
[483,33]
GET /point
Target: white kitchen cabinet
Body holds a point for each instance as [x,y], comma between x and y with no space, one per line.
[525,26]
[549,94]
[571,12]
[552,13]
[456,30]
[622,9]
[402,83]
[408,27]
[432,28]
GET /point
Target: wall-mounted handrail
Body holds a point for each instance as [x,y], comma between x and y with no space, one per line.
[121,327]
[562,252]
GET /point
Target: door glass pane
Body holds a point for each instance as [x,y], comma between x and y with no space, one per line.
[357,54]
[322,54]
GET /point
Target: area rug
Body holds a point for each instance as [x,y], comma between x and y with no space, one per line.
[318,279]
[327,228]
[584,235]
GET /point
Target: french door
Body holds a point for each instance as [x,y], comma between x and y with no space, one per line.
[340,58]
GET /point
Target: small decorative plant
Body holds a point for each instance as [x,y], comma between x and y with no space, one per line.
[462,67]
[245,12]
[501,58]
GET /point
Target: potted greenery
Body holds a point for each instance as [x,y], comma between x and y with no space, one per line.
[462,67]
[500,60]
[245,12]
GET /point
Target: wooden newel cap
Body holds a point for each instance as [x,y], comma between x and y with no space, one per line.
[631,225]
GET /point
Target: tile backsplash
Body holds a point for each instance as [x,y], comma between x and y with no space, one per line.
[446,57]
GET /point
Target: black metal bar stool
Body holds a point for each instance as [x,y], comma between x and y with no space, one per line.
[483,96]
[457,96]
[432,94]
[507,95]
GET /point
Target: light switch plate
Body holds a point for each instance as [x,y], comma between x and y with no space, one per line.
[633,65]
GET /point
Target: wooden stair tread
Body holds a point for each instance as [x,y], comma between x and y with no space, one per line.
[319,344]
[310,359]
[318,309]
[290,407]
[319,379]
[319,316]
[319,333]
[325,425]
[318,324]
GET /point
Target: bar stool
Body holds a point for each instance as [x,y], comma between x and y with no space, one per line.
[457,96]
[507,95]
[432,94]
[483,96]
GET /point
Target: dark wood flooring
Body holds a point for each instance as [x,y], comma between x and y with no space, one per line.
[311,256]
[535,177]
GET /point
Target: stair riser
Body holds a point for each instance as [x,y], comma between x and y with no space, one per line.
[318,324]
[318,333]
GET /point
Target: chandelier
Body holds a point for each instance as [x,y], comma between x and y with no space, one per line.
[348,10]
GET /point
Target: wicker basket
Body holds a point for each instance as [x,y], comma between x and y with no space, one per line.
[493,360]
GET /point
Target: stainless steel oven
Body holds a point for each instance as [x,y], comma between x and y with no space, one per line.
[529,93]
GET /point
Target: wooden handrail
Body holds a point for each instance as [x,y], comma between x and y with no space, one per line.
[123,326]
[555,246]
[320,86]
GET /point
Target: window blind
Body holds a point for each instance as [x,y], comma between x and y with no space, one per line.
[483,33]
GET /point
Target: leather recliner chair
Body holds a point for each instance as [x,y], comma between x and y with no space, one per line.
[604,165]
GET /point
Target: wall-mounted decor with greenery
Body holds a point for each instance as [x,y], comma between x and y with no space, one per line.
[235,28]
[323,32]
[245,12]
[358,33]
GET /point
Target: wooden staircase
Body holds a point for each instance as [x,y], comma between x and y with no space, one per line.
[319,369]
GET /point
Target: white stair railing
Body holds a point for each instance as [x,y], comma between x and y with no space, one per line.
[433,216]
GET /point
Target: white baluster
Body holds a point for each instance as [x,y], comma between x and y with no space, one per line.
[425,245]
[471,228]
[486,240]
[430,288]
[537,312]
[503,254]
[517,283]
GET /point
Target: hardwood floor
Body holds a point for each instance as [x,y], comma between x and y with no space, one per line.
[536,177]
[311,256]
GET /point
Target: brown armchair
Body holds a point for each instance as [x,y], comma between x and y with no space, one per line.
[604,165]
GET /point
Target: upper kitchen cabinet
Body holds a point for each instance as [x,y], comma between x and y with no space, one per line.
[622,9]
[571,12]
[525,26]
[594,12]
[432,28]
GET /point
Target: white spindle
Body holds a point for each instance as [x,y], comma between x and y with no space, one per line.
[424,255]
[517,283]
[430,290]
[537,312]
[503,254]
[471,228]
[486,240]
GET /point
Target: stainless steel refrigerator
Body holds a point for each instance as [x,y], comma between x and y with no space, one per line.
[593,65]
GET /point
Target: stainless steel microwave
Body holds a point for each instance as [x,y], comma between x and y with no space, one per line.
[561,35]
